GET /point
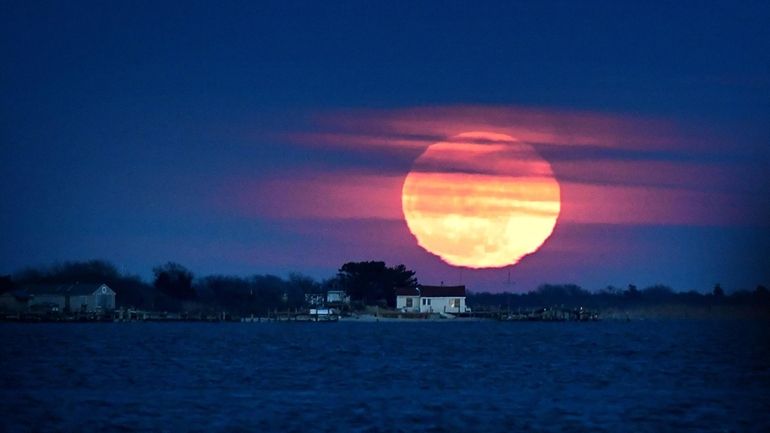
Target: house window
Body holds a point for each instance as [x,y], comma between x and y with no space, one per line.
[454,303]
[424,301]
[428,301]
[408,302]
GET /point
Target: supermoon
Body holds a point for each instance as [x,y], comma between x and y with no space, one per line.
[481,200]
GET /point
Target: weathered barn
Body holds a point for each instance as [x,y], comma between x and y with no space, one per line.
[91,298]
[73,297]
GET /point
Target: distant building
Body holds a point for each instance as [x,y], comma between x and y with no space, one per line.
[337,297]
[91,298]
[322,311]
[15,301]
[431,299]
[47,298]
[314,299]
[407,299]
[73,298]
[442,299]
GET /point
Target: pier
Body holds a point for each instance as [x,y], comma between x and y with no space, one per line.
[552,314]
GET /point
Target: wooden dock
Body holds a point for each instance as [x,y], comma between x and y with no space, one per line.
[550,314]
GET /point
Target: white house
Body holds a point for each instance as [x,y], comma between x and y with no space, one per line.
[442,299]
[431,299]
[407,299]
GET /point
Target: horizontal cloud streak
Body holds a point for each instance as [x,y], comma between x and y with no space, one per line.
[360,195]
[424,125]
[315,194]
[613,169]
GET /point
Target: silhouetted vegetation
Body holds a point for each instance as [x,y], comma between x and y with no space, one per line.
[254,295]
[373,283]
[133,291]
[175,288]
[92,271]
[6,283]
[174,280]
[572,296]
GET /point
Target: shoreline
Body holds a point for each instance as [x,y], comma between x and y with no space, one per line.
[638,313]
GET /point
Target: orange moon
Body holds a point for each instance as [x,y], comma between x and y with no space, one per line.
[481,200]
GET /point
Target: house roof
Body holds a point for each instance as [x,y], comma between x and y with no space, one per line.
[65,289]
[47,289]
[20,295]
[406,291]
[442,291]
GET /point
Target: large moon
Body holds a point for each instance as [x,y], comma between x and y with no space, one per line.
[481,200]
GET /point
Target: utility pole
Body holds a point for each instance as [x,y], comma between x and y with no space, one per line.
[508,290]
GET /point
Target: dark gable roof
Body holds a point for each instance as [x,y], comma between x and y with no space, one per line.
[47,289]
[406,291]
[21,295]
[442,291]
[64,289]
[84,289]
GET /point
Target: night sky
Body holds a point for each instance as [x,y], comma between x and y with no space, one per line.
[256,137]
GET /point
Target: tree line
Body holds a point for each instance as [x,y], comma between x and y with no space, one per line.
[571,295]
[176,288]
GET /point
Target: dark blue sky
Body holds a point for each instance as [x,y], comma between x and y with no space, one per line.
[125,126]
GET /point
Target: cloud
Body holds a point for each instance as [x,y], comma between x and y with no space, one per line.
[418,127]
[314,194]
[634,205]
[613,169]
[359,195]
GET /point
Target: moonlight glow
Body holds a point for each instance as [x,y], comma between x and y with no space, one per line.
[481,200]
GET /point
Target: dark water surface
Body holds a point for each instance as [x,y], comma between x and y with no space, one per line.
[647,376]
